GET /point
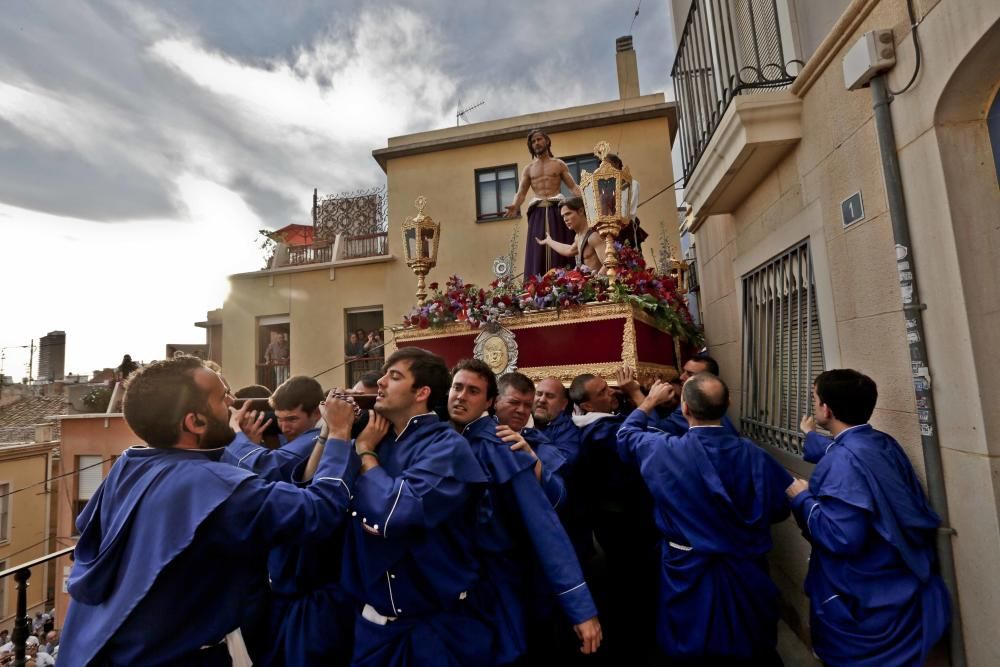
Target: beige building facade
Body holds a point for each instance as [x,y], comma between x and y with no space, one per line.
[318,303]
[789,210]
[26,494]
[89,445]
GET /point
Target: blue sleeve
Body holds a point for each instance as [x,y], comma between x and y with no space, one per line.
[553,549]
[395,507]
[814,446]
[553,462]
[262,514]
[275,465]
[676,424]
[837,527]
[634,439]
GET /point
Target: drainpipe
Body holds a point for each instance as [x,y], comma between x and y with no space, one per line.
[913,312]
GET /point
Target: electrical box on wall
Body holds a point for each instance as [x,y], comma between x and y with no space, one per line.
[873,54]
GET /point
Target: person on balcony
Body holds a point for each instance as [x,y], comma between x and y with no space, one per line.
[354,347]
[543,175]
[172,535]
[875,595]
[716,497]
[373,344]
[408,560]
[587,246]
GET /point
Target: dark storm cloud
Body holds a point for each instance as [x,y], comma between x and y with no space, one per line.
[98,118]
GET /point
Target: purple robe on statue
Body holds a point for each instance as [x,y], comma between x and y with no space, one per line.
[544,215]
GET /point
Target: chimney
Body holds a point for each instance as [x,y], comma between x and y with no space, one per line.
[628,70]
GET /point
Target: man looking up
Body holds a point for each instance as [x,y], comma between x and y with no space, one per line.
[296,407]
[517,524]
[172,535]
[409,559]
[875,598]
[543,175]
[716,497]
[586,247]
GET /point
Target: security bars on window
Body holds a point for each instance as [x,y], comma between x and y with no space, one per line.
[782,349]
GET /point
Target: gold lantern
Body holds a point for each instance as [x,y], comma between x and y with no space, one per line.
[420,243]
[607,197]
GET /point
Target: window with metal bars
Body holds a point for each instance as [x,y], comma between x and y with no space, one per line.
[782,348]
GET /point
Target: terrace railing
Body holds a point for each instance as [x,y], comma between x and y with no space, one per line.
[22,623]
[727,48]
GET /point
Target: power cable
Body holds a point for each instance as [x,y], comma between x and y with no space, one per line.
[66,474]
[914,24]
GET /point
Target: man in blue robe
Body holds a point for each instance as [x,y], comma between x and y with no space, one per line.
[716,497]
[552,419]
[409,558]
[876,598]
[619,510]
[517,525]
[309,618]
[296,407]
[171,537]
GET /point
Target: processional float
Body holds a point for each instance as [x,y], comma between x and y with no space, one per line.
[566,322]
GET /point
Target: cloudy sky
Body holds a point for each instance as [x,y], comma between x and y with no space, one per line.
[143,144]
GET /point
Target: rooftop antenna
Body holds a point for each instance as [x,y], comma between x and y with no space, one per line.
[460,114]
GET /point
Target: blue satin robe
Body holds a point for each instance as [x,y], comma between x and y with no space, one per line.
[716,497]
[410,554]
[876,598]
[167,545]
[517,526]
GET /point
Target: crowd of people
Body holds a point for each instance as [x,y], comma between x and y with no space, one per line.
[41,646]
[474,520]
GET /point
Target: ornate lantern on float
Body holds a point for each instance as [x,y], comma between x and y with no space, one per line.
[420,243]
[607,197]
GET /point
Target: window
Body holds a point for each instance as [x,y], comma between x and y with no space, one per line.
[89,474]
[577,165]
[782,348]
[495,189]
[367,350]
[4,512]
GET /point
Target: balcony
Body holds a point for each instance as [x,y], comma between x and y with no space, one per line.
[344,247]
[736,122]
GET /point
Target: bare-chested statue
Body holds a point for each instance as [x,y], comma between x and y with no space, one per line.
[543,175]
[587,247]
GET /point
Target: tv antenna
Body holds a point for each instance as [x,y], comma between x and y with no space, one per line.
[460,114]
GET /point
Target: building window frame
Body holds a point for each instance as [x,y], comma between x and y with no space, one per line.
[573,163]
[84,465]
[498,188]
[782,347]
[5,508]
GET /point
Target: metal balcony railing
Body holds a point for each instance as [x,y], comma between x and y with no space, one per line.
[728,48]
[22,624]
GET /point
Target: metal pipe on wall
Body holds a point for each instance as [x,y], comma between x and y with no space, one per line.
[913,312]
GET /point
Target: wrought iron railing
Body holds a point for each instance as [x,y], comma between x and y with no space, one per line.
[365,245]
[728,48]
[309,254]
[358,367]
[22,623]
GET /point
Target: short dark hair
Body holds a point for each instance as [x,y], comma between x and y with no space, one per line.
[517,381]
[428,370]
[711,365]
[158,396]
[544,134]
[703,400]
[573,203]
[481,368]
[578,388]
[850,395]
[253,391]
[370,379]
[299,391]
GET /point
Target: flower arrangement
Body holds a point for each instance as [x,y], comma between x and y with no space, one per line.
[560,289]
